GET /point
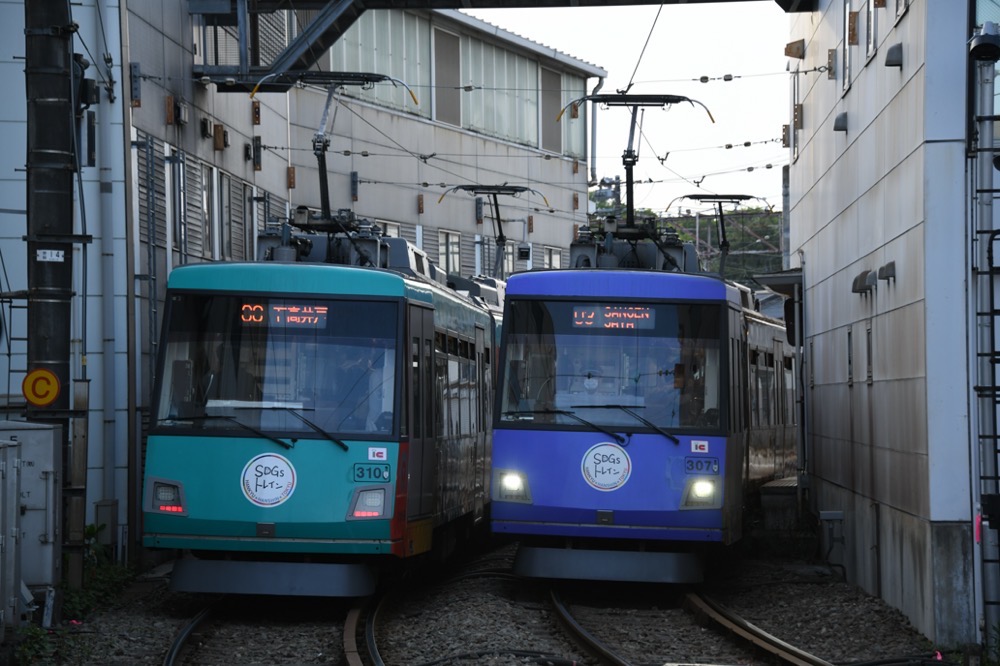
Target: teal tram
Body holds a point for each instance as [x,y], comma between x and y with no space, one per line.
[320,415]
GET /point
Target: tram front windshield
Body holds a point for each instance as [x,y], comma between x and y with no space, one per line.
[611,362]
[278,364]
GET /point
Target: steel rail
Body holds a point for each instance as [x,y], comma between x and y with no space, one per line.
[351,652]
[726,618]
[587,640]
[180,640]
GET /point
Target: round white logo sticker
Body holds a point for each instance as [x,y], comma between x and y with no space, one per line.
[606,467]
[268,480]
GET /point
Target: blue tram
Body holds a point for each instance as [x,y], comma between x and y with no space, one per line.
[314,423]
[636,407]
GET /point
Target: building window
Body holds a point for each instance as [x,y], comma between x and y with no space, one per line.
[850,357]
[226,220]
[504,98]
[390,229]
[871,34]
[395,43]
[447,78]
[207,210]
[868,352]
[846,60]
[248,222]
[552,103]
[449,253]
[509,258]
[796,120]
[553,257]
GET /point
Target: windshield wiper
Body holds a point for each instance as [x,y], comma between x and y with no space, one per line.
[233,419]
[628,410]
[339,442]
[572,415]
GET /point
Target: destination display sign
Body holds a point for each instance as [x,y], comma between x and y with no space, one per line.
[284,315]
[614,316]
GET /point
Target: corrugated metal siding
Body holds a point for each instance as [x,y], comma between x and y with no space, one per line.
[221,45]
[467,251]
[192,214]
[152,190]
[273,33]
[239,222]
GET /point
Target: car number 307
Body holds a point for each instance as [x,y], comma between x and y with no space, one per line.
[364,472]
[701,465]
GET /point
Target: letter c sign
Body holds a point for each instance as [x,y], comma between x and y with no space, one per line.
[40,387]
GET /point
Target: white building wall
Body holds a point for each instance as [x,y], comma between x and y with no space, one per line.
[889,441]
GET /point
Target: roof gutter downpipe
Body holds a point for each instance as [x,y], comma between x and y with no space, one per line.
[593,132]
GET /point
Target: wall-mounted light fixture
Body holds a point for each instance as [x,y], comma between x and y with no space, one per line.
[220,137]
[861,284]
[796,49]
[894,56]
[840,122]
[985,46]
[887,272]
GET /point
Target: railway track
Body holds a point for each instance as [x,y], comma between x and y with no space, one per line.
[588,627]
[237,630]
[480,614]
[181,642]
[731,622]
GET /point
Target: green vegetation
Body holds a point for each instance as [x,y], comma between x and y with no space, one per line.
[754,235]
[104,580]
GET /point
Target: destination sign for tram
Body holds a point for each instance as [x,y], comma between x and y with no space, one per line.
[613,316]
[284,315]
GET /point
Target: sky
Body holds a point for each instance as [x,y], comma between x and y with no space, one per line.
[666,50]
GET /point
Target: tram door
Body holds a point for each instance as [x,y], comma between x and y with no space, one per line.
[483,423]
[419,382]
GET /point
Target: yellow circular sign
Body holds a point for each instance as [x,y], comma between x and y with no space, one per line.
[40,387]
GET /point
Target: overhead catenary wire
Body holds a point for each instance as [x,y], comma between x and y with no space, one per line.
[643,52]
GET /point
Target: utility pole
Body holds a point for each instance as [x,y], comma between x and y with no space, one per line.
[51,165]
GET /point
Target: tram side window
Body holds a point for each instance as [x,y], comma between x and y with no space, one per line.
[455,423]
[767,390]
[429,395]
[789,393]
[472,381]
[441,389]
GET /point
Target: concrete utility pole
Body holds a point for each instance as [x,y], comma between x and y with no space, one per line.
[51,165]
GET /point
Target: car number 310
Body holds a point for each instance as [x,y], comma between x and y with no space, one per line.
[366,472]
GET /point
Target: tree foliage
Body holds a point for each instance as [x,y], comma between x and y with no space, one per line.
[754,236]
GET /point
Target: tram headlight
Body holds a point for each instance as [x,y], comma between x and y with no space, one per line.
[163,496]
[701,493]
[703,489]
[367,504]
[510,486]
